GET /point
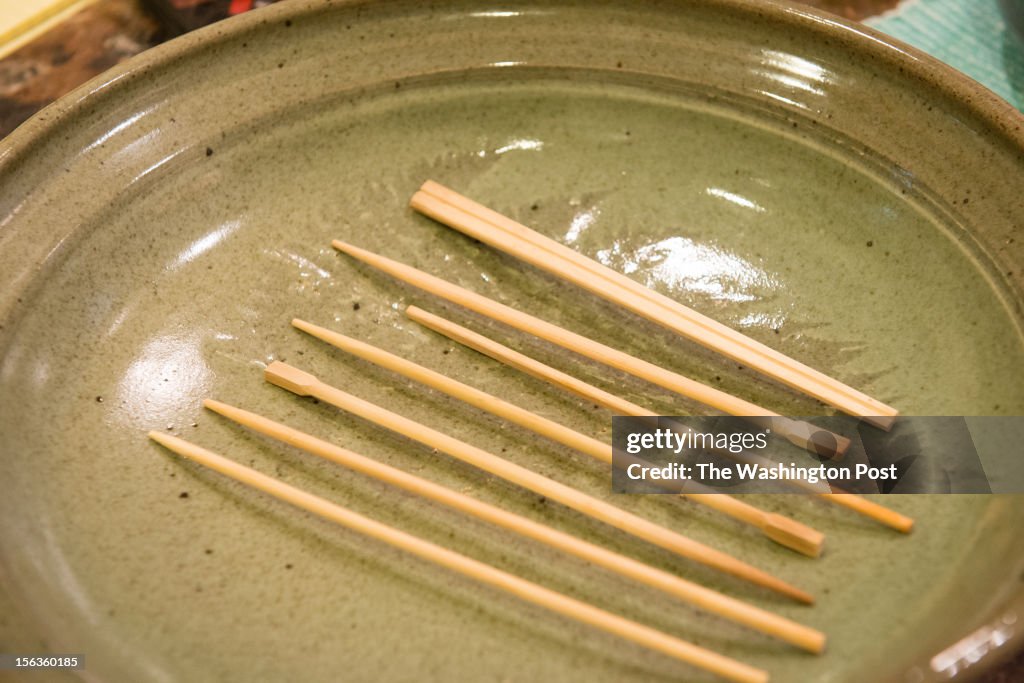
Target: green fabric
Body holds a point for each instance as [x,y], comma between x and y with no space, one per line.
[970,35]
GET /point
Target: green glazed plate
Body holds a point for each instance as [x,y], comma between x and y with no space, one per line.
[840,197]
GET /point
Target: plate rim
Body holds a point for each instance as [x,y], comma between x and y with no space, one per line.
[992,111]
[910,62]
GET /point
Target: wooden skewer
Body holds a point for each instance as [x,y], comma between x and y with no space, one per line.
[484,573]
[872,510]
[782,530]
[800,433]
[705,598]
[304,384]
[524,363]
[501,232]
[619,406]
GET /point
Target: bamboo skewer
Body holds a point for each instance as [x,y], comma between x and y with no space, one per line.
[524,363]
[304,384]
[780,529]
[838,496]
[800,433]
[619,406]
[871,510]
[705,598]
[530,366]
[484,573]
[501,232]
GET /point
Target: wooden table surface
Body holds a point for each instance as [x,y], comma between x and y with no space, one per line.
[111,31]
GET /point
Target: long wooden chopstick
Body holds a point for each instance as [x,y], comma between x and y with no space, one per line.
[800,433]
[485,573]
[712,601]
[780,529]
[618,405]
[305,384]
[503,233]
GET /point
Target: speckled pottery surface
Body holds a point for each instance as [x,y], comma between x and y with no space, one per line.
[848,201]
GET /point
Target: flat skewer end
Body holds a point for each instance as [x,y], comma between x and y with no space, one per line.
[294,380]
[793,535]
[883,422]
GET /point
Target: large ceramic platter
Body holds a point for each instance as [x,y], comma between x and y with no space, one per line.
[840,197]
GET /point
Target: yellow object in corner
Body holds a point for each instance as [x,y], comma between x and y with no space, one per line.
[23,20]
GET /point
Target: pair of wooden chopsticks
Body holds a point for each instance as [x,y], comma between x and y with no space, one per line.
[501,232]
[586,613]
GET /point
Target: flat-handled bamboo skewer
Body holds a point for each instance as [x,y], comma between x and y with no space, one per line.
[800,433]
[780,529]
[503,233]
[616,404]
[705,598]
[480,571]
[305,384]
